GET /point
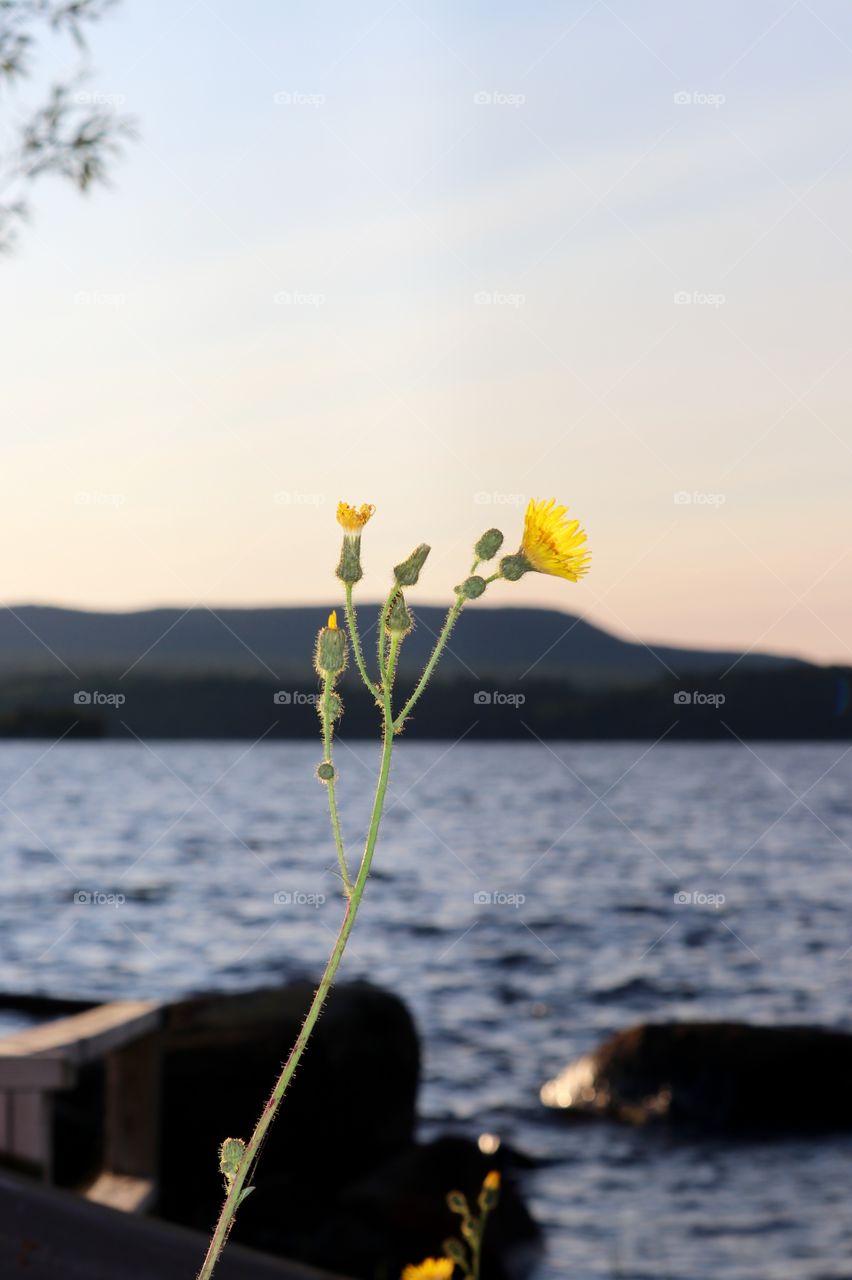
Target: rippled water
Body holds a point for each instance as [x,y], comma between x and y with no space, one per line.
[596,839]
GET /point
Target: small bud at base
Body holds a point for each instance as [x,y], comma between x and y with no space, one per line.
[325,771]
[399,622]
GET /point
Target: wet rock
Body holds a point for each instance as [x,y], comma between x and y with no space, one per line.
[715,1076]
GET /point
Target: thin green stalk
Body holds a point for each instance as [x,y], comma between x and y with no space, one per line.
[327,732]
[382,636]
[449,623]
[355,637]
[255,1142]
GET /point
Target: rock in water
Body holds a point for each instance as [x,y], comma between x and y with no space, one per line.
[716,1076]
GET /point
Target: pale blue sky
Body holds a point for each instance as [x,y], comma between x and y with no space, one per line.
[281,303]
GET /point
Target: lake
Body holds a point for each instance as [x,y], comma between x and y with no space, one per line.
[528,899]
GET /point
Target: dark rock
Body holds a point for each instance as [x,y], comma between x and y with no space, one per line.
[716,1076]
[350,1107]
[399,1214]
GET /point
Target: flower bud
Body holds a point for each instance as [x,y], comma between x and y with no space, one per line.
[325,771]
[455,1249]
[458,1203]
[490,1193]
[408,572]
[399,621]
[472,587]
[349,565]
[514,567]
[488,545]
[330,655]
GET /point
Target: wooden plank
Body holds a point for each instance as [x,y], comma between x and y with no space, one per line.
[47,1234]
[31,1074]
[28,1127]
[133,1108]
[84,1037]
[121,1191]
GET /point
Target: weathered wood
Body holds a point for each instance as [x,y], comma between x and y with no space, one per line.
[133,1108]
[120,1191]
[84,1037]
[31,1074]
[47,1234]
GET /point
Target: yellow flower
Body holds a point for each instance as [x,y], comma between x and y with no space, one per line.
[552,544]
[353,519]
[430,1269]
[492,1181]
[332,620]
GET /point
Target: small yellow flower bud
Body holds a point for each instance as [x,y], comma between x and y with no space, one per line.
[330,654]
[408,572]
[490,1193]
[488,545]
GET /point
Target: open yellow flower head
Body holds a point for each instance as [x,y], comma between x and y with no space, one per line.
[430,1269]
[353,519]
[552,543]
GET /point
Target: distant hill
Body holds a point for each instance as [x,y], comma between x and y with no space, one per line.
[279,641]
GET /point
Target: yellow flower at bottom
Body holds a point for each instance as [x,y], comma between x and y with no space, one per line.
[332,620]
[353,519]
[551,543]
[430,1269]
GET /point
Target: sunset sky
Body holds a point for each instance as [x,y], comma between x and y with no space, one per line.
[444,257]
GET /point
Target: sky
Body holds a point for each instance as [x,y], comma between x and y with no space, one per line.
[445,257]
